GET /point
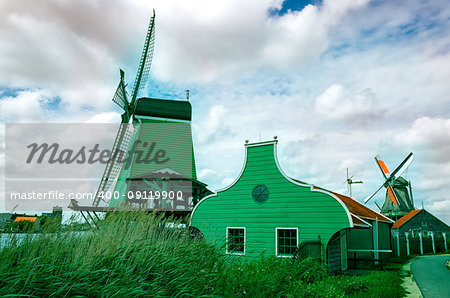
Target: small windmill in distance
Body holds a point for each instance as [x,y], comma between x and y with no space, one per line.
[350,182]
[398,199]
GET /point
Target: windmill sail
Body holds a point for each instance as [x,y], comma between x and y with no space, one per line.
[145,62]
[121,144]
[120,97]
[127,131]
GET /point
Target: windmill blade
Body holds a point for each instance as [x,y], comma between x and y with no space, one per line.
[403,166]
[146,61]
[373,194]
[391,193]
[121,143]
[381,166]
[120,97]
[378,206]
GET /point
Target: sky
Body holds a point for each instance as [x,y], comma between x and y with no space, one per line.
[337,82]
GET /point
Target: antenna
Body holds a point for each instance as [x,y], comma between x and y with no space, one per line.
[350,182]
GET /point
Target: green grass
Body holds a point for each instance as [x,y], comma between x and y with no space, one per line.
[135,254]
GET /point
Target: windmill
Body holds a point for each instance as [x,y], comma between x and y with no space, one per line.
[148,126]
[398,200]
[126,130]
[349,182]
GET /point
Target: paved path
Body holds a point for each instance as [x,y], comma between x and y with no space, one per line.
[431,275]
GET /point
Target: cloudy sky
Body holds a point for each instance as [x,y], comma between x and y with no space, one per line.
[338,81]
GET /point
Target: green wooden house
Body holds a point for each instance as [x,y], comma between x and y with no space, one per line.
[266,212]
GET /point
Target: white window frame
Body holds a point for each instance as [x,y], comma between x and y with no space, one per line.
[276,240]
[245,242]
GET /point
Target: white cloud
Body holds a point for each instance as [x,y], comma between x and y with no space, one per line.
[430,134]
[214,124]
[27,106]
[227,181]
[336,102]
[337,82]
[204,173]
[110,117]
[209,42]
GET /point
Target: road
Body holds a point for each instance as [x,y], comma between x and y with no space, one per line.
[431,275]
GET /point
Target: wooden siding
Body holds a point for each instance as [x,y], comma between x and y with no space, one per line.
[315,214]
[175,138]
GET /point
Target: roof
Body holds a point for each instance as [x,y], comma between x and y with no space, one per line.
[163,108]
[358,211]
[25,218]
[400,222]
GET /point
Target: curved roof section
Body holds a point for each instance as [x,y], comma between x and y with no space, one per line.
[357,210]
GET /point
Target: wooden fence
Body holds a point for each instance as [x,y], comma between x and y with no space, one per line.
[405,244]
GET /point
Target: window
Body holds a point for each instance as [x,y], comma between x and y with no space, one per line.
[236,241]
[286,241]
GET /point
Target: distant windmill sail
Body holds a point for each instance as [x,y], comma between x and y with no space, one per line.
[127,130]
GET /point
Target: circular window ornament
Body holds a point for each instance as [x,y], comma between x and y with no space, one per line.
[260,193]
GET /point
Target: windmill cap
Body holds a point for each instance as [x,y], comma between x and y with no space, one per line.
[164,108]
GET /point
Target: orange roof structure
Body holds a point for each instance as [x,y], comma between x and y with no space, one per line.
[400,222]
[25,218]
[363,212]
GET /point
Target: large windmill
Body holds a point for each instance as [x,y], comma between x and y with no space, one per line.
[398,199]
[149,125]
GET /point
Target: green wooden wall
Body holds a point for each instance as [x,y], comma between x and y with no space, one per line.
[289,205]
[175,138]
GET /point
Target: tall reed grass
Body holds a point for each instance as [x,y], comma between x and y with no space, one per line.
[140,254]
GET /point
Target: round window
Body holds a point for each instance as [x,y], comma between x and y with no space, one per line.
[260,193]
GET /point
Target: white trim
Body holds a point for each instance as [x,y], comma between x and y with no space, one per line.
[276,240]
[161,118]
[362,220]
[244,164]
[384,216]
[198,204]
[311,186]
[226,241]
[225,188]
[261,143]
